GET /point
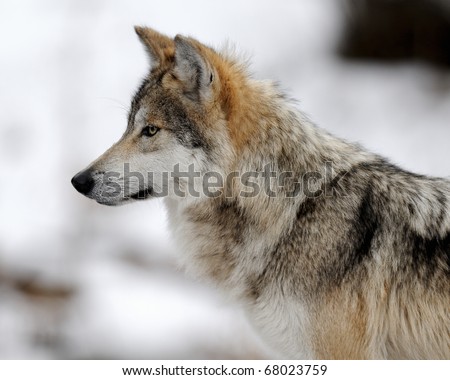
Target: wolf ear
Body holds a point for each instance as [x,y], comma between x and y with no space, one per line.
[192,69]
[159,47]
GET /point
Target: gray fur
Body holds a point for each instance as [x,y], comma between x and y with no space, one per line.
[361,271]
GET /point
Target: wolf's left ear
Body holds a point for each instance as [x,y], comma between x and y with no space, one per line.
[193,69]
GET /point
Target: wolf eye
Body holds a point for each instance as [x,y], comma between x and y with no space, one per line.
[149,131]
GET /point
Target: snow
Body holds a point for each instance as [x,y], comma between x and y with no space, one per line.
[67,71]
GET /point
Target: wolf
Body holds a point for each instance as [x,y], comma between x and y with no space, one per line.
[349,258]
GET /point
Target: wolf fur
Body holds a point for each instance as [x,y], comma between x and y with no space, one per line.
[360,273]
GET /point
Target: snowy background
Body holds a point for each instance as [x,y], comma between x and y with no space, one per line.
[79,280]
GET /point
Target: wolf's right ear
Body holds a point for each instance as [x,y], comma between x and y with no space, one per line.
[160,48]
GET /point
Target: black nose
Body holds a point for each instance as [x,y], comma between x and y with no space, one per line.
[83,182]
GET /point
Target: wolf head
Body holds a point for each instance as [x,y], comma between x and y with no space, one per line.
[179,122]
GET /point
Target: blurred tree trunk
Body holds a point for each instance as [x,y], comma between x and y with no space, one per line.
[397,30]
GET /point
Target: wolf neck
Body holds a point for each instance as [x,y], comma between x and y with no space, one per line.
[229,238]
[265,128]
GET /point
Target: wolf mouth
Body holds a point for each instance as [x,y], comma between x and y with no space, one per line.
[142,194]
